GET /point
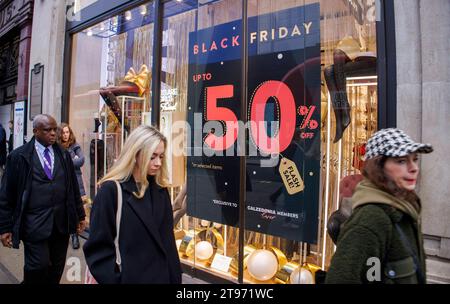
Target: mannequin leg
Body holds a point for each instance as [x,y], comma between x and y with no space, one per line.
[109,95]
[339,102]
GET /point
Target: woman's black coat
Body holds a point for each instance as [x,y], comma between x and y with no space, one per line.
[146,240]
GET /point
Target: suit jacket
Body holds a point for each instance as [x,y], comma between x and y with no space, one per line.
[16,188]
[146,240]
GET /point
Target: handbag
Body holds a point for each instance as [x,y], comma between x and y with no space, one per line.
[88,277]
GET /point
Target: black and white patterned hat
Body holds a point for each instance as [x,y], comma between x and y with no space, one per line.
[393,143]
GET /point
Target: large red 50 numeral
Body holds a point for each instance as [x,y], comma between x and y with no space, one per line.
[213,112]
[286,103]
[275,89]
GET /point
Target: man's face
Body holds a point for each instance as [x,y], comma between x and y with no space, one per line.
[45,133]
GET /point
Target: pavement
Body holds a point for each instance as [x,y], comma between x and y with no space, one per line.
[11,267]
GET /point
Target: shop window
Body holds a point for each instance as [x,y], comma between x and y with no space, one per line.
[312,83]
[110,85]
[312,77]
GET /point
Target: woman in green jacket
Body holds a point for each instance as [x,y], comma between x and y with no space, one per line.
[382,240]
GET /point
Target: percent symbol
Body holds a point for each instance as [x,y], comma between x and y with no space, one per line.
[307,121]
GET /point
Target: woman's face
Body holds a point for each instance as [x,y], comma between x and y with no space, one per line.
[156,160]
[65,134]
[403,171]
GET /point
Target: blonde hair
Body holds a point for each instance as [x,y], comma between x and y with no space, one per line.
[142,142]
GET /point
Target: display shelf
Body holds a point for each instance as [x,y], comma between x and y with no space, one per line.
[132,110]
[201,265]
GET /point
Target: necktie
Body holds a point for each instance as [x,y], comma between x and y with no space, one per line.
[48,163]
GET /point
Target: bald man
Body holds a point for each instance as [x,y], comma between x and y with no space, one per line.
[40,203]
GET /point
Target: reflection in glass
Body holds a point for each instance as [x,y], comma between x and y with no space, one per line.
[109,86]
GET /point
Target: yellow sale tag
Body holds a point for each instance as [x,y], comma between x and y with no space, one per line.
[291,177]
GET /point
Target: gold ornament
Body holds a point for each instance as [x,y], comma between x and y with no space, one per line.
[192,237]
[312,267]
[141,79]
[235,262]
[281,257]
[283,275]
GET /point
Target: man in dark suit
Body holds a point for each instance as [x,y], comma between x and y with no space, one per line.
[40,203]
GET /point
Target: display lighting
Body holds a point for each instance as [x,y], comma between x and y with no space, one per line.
[128,15]
[143,10]
[301,276]
[204,250]
[89,33]
[262,264]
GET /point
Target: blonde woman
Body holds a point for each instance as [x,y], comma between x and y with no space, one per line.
[146,241]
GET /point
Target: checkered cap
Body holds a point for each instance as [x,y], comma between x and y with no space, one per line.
[393,143]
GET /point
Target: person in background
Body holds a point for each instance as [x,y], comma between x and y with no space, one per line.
[11,136]
[68,141]
[144,251]
[40,203]
[382,240]
[2,149]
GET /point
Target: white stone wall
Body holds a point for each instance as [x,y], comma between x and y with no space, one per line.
[47,48]
[423,107]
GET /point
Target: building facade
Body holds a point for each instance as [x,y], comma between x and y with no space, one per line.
[423,79]
[396,72]
[15,45]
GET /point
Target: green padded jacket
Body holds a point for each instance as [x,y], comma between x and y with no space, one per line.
[381,228]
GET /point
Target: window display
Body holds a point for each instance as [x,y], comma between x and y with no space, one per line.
[110,86]
[133,84]
[312,105]
[347,105]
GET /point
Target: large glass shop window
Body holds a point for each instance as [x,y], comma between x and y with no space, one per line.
[312,103]
[110,88]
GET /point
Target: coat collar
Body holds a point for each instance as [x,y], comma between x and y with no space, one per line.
[130,185]
[143,211]
[28,150]
[368,193]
